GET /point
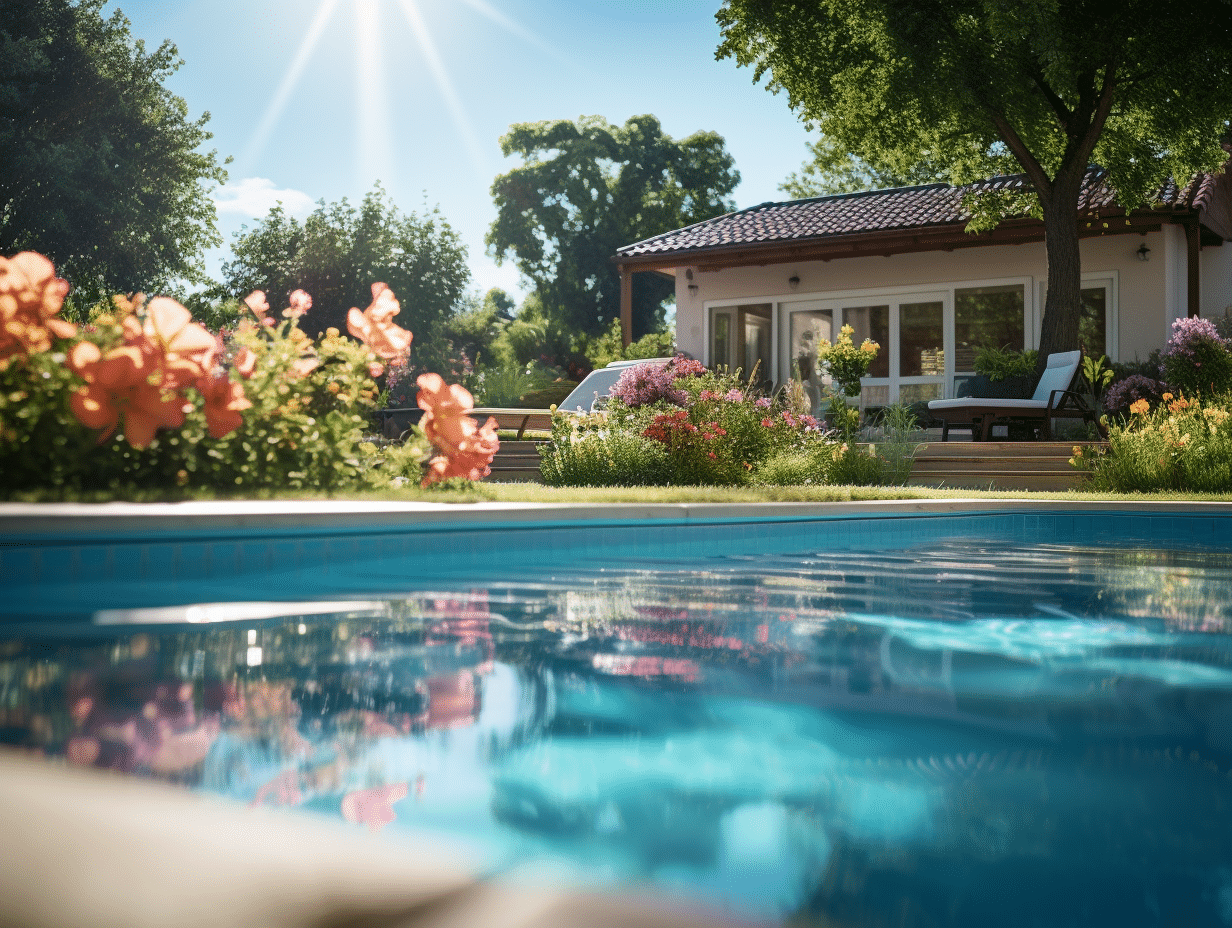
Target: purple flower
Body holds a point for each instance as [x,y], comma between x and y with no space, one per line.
[1189,334]
[734,396]
[1122,394]
[763,403]
[644,384]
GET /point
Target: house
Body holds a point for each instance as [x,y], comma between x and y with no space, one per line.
[765,284]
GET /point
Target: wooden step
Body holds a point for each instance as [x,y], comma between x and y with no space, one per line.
[517,462]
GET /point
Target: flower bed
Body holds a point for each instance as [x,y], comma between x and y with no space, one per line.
[679,424]
[143,397]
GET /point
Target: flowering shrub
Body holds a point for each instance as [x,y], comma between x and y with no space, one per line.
[1196,359]
[644,384]
[584,452]
[846,362]
[145,397]
[1120,395]
[1180,444]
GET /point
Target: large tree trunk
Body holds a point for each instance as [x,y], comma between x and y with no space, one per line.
[1063,308]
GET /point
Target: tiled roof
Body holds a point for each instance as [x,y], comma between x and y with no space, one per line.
[930,205]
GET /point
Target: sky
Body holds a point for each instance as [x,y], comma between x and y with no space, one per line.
[319,99]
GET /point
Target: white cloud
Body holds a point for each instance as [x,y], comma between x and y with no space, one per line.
[253,197]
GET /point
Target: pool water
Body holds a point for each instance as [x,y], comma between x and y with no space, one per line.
[973,731]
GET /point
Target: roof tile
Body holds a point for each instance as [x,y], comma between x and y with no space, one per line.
[879,211]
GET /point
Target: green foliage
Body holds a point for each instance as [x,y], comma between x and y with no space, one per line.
[340,250]
[474,330]
[607,347]
[102,168]
[833,170]
[846,362]
[304,431]
[1181,444]
[582,453]
[998,363]
[506,385]
[979,89]
[586,188]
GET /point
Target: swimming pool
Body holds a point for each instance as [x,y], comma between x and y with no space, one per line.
[907,714]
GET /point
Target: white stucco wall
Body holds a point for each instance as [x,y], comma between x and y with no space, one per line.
[1149,295]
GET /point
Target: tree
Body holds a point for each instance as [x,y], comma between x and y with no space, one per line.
[586,188]
[981,87]
[102,170]
[834,170]
[339,251]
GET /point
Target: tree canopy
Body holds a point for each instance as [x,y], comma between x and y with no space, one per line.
[102,167]
[584,189]
[339,251]
[834,170]
[980,87]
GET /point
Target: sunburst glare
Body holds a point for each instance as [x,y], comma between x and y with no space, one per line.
[443,84]
[256,144]
[375,153]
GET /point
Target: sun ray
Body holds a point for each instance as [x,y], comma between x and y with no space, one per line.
[375,151]
[517,29]
[444,86]
[256,144]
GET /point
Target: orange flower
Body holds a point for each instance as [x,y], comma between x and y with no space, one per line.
[1140,407]
[373,807]
[375,327]
[260,307]
[466,447]
[30,299]
[125,383]
[301,302]
[187,349]
[224,399]
[245,362]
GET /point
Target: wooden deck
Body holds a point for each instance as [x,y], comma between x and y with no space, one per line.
[996,465]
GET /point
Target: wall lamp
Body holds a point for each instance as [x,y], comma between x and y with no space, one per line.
[793,281]
[1142,252]
[688,274]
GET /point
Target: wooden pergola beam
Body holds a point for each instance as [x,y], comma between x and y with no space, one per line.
[626,305]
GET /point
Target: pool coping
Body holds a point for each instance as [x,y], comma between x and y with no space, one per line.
[20,520]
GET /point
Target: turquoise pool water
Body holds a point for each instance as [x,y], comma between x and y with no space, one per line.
[1013,719]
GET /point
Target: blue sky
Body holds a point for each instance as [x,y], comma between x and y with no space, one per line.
[320,98]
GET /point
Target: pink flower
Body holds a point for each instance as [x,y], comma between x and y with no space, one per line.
[466,447]
[375,326]
[187,348]
[763,403]
[260,307]
[301,302]
[376,369]
[734,396]
[30,299]
[373,807]
[245,362]
[767,423]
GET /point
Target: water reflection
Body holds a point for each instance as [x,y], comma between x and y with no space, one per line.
[915,737]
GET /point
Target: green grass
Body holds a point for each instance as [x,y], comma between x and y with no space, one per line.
[536,493]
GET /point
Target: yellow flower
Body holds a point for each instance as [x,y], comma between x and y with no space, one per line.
[1077,451]
[1142,407]
[1167,396]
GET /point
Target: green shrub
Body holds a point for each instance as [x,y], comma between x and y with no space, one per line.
[1182,444]
[583,453]
[998,363]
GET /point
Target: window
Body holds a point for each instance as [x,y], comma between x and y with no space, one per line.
[871,322]
[1093,324]
[987,317]
[740,338]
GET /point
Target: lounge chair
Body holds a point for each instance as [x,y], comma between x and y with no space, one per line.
[1053,399]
